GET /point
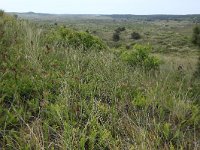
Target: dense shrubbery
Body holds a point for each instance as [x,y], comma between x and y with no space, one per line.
[135,36]
[196,36]
[196,75]
[116,37]
[120,29]
[140,57]
[196,41]
[64,37]
[116,34]
[67,99]
[1,13]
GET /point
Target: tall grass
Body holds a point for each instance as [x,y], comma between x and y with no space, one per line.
[64,98]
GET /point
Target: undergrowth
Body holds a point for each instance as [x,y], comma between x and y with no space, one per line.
[63,89]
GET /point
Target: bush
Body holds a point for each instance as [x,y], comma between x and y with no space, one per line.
[197,72]
[1,13]
[116,34]
[140,57]
[196,36]
[135,36]
[73,100]
[120,29]
[63,37]
[15,16]
[116,37]
[196,41]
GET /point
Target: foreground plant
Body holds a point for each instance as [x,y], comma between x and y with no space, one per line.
[74,99]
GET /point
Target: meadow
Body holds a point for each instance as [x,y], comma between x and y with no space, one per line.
[69,83]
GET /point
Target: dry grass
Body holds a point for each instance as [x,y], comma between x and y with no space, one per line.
[70,99]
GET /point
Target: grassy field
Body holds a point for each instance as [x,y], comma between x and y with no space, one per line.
[62,88]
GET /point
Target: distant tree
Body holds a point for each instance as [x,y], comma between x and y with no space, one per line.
[197,72]
[116,36]
[196,41]
[15,16]
[94,32]
[135,36]
[140,56]
[196,36]
[87,31]
[128,47]
[1,12]
[120,29]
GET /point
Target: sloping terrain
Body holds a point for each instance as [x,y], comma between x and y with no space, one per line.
[65,89]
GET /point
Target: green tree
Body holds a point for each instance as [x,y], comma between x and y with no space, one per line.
[1,12]
[196,41]
[196,36]
[120,29]
[140,56]
[135,36]
[197,72]
[116,36]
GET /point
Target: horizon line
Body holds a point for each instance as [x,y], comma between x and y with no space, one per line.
[100,13]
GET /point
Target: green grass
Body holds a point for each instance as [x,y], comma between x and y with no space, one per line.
[66,98]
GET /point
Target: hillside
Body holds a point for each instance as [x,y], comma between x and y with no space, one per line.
[64,88]
[46,16]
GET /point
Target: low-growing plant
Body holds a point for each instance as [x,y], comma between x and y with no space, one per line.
[64,37]
[196,75]
[120,29]
[135,36]
[116,37]
[1,13]
[196,36]
[140,57]
[197,72]
[67,99]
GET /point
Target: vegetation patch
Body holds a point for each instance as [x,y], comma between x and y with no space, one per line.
[64,89]
[139,56]
[67,38]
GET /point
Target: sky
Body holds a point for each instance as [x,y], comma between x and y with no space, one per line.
[137,7]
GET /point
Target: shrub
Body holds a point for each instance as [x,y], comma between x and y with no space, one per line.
[140,57]
[196,41]
[87,31]
[116,34]
[1,13]
[64,37]
[94,32]
[135,36]
[15,16]
[116,37]
[120,29]
[128,47]
[73,100]
[196,36]
[197,72]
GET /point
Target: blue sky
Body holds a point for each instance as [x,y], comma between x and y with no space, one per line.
[103,6]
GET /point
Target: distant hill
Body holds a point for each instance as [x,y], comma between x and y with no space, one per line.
[195,17]
[61,17]
[55,17]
